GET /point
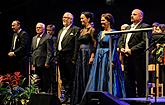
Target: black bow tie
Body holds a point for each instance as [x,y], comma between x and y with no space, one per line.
[39,36]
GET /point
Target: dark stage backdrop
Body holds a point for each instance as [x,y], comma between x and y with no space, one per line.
[50,11]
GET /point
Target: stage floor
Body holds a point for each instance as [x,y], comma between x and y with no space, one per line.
[144,101]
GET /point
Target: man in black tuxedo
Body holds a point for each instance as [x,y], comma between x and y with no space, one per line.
[67,51]
[20,49]
[132,46]
[42,53]
[50,29]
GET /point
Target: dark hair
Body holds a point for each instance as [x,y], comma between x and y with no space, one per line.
[155,24]
[51,26]
[109,18]
[89,15]
[162,27]
[18,22]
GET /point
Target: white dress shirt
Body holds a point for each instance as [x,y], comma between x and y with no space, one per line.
[38,39]
[129,35]
[65,29]
[15,38]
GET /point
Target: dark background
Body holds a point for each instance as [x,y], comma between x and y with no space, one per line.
[29,12]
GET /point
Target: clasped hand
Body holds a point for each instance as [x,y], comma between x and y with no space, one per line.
[11,54]
[126,52]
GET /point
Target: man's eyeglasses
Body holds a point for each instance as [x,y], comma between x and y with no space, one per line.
[67,18]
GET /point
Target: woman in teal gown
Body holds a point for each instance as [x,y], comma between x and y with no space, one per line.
[99,79]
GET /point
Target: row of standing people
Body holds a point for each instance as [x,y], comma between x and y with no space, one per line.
[83,56]
[89,59]
[37,52]
[132,48]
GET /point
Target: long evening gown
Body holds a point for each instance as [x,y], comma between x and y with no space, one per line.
[82,66]
[99,79]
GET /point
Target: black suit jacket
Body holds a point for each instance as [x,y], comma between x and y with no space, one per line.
[135,64]
[43,53]
[137,42]
[22,47]
[69,42]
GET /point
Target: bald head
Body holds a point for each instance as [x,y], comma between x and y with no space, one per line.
[137,16]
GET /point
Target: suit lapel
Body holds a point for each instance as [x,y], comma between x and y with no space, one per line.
[125,35]
[44,37]
[67,34]
[35,41]
[20,33]
[13,40]
[133,34]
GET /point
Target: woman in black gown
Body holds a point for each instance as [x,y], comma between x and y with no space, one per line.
[87,45]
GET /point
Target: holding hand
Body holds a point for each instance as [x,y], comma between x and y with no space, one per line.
[47,66]
[11,54]
[126,52]
[91,60]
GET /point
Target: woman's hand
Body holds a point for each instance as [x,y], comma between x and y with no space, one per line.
[91,60]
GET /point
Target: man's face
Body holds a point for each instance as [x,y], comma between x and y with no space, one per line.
[136,16]
[50,31]
[67,19]
[39,29]
[15,26]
